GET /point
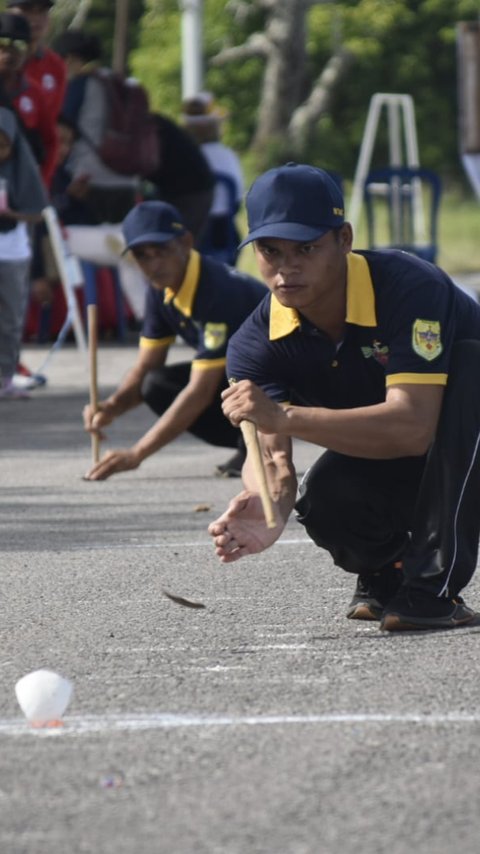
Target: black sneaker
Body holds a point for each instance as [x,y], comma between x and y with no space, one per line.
[233,466]
[414,609]
[372,593]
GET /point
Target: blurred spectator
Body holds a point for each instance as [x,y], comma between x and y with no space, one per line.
[23,95]
[110,195]
[184,179]
[204,121]
[68,194]
[42,64]
[23,199]
[100,244]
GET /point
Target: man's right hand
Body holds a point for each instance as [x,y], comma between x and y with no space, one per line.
[114,462]
[95,419]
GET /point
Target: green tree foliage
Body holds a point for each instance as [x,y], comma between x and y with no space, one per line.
[400,46]
[99,20]
[157,63]
[404,47]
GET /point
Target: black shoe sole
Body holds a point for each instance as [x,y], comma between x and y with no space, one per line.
[364,611]
[397,623]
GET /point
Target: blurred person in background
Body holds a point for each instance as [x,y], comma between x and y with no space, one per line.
[110,195]
[24,198]
[23,95]
[42,64]
[204,120]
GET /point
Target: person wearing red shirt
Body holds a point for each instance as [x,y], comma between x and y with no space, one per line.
[30,107]
[24,95]
[42,64]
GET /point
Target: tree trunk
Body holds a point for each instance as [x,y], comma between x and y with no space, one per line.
[284,76]
[306,116]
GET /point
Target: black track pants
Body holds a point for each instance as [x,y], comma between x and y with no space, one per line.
[425,511]
[161,387]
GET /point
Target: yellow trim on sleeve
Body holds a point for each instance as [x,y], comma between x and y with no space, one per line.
[207,364]
[153,343]
[416,379]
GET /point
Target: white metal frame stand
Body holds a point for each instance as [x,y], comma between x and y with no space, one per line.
[399,107]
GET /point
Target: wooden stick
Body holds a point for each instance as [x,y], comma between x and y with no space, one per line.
[249,432]
[250,437]
[92,353]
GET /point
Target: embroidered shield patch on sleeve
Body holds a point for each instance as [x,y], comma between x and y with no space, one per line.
[215,335]
[426,340]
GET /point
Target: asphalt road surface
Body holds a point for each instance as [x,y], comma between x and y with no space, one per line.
[263,723]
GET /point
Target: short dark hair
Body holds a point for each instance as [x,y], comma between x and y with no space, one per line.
[77,43]
[14,27]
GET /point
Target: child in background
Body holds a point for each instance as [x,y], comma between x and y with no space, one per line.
[67,193]
[25,199]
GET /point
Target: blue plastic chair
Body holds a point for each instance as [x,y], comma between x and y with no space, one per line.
[393,191]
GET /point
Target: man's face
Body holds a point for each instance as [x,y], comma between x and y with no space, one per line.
[12,54]
[37,16]
[164,264]
[301,275]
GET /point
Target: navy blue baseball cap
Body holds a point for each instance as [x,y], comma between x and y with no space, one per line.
[293,202]
[152,222]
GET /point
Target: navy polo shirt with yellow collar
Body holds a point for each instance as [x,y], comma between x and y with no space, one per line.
[403,316]
[211,303]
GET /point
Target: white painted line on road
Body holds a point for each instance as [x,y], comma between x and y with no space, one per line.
[94,724]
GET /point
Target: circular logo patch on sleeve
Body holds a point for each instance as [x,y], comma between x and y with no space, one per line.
[215,335]
[426,339]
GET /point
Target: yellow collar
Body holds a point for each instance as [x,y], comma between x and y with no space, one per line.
[184,297]
[360,293]
[360,302]
[283,321]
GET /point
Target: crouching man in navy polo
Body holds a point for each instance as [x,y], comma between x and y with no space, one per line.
[202,301]
[375,357]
